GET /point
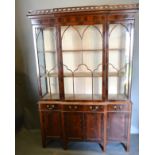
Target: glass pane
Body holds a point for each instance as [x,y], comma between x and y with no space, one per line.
[53,87]
[97,88]
[119,46]
[43,85]
[47,61]
[82,54]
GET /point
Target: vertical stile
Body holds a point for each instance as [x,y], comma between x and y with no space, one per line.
[36,57]
[60,61]
[92,85]
[131,29]
[105,60]
[50,86]
[44,59]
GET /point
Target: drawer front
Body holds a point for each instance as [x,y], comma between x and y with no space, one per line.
[94,108]
[50,107]
[89,108]
[73,108]
[118,107]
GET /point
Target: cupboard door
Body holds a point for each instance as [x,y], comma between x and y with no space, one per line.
[45,45]
[120,37]
[52,124]
[94,126]
[82,53]
[118,126]
[73,125]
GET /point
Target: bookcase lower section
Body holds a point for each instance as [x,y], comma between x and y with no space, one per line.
[101,122]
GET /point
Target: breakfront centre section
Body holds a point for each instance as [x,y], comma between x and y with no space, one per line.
[84,68]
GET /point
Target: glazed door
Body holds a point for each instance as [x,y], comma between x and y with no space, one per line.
[94,126]
[117,126]
[120,38]
[46,58]
[52,124]
[82,54]
[73,125]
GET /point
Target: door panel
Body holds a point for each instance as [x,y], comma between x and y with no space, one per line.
[82,46]
[74,125]
[52,123]
[119,56]
[94,126]
[117,126]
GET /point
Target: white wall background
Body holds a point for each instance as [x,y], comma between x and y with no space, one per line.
[25,58]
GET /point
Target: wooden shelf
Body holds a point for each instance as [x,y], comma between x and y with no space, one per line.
[84,50]
[117,97]
[86,74]
[92,50]
[85,97]
[74,97]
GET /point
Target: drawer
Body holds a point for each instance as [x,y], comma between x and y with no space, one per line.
[118,107]
[94,108]
[73,108]
[50,107]
[84,108]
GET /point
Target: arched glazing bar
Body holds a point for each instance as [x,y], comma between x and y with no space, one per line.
[81,35]
[80,65]
[49,75]
[121,55]
[116,25]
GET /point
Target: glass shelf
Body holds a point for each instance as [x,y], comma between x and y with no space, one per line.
[85,97]
[74,97]
[117,97]
[91,50]
[84,74]
[83,50]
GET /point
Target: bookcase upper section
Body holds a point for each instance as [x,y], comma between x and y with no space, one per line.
[84,53]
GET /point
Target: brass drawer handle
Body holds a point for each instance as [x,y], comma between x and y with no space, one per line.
[90,107]
[49,107]
[75,107]
[115,107]
[70,107]
[93,108]
[97,107]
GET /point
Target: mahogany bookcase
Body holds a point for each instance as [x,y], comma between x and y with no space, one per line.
[84,68]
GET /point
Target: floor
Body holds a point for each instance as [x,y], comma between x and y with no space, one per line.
[29,143]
